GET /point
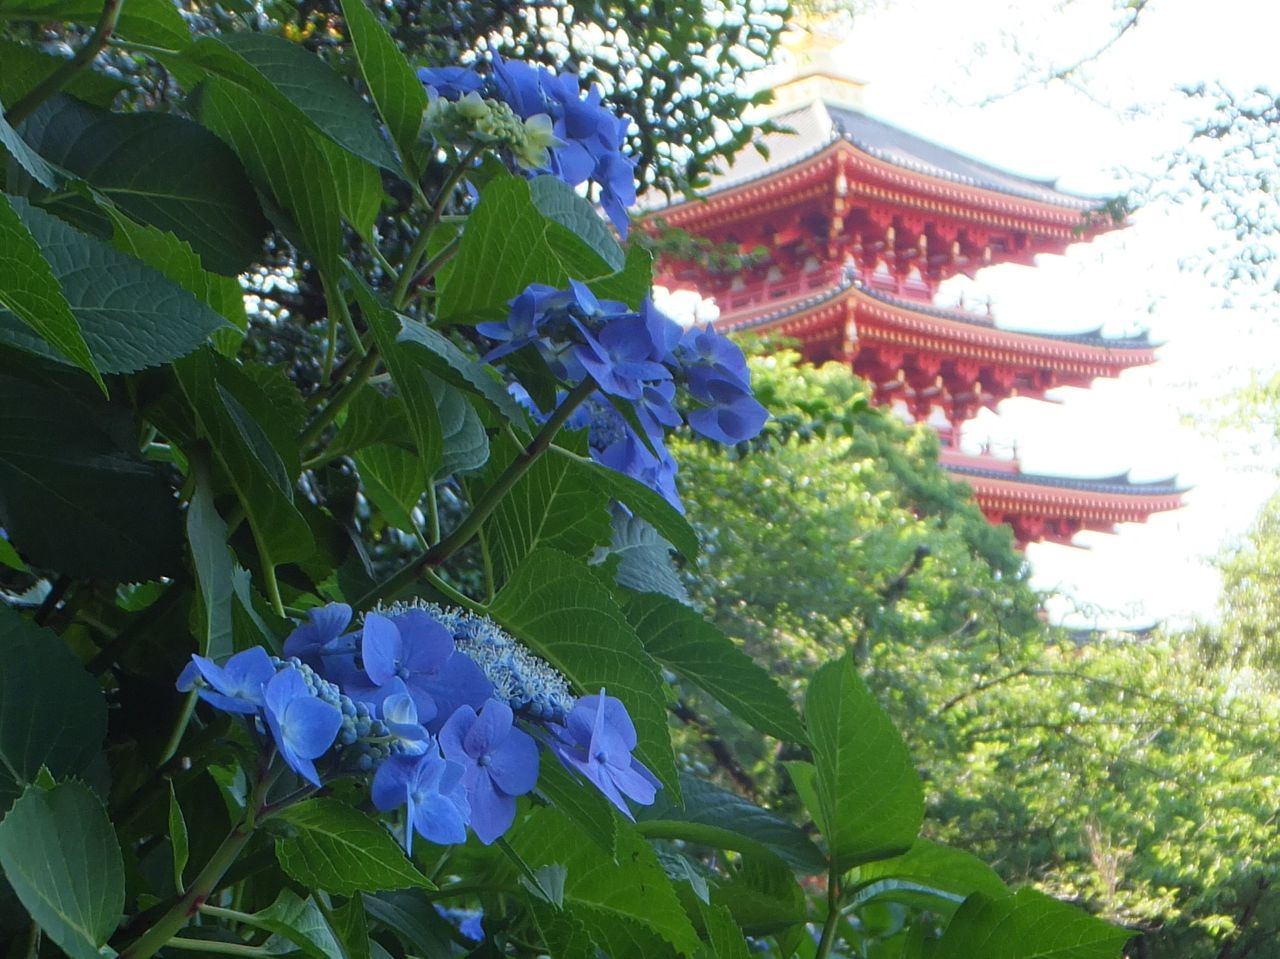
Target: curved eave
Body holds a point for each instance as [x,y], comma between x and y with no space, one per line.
[879,181]
[1090,501]
[883,320]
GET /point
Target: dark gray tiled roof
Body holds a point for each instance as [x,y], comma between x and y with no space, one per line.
[1120,484]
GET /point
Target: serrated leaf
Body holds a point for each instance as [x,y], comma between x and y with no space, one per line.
[723,935]
[36,166]
[214,568]
[178,839]
[720,819]
[870,795]
[565,615]
[52,713]
[561,203]
[642,558]
[350,926]
[763,896]
[406,374]
[60,855]
[551,506]
[394,481]
[951,870]
[290,79]
[130,315]
[632,283]
[29,288]
[447,361]
[603,893]
[398,94]
[687,644]
[159,169]
[508,244]
[296,924]
[414,920]
[342,851]
[1027,925]
[466,444]
[9,556]
[73,499]
[641,500]
[586,807]
[371,418]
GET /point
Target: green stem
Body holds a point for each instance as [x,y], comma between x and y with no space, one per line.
[337,302]
[231,915]
[329,412]
[488,502]
[330,351]
[433,513]
[269,576]
[833,914]
[404,283]
[60,77]
[179,728]
[454,596]
[486,558]
[215,945]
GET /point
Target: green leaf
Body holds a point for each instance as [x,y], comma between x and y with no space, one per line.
[438,354]
[9,557]
[406,374]
[131,316]
[61,857]
[466,444]
[359,186]
[587,807]
[804,776]
[632,283]
[723,935]
[508,244]
[343,851]
[561,203]
[370,419]
[25,67]
[178,839]
[565,615]
[31,291]
[551,506]
[869,793]
[763,896]
[564,935]
[284,160]
[75,497]
[1027,925]
[31,161]
[720,819]
[296,924]
[159,169]
[396,90]
[642,559]
[52,712]
[687,644]
[349,924]
[393,479]
[230,414]
[288,78]
[602,893]
[641,500]
[414,920]
[951,870]
[155,22]
[175,259]
[214,567]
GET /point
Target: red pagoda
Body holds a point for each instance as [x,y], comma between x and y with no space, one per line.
[861,222]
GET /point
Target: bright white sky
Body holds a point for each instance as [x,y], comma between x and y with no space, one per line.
[930,65]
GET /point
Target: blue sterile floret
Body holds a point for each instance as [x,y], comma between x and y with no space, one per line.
[584,141]
[442,708]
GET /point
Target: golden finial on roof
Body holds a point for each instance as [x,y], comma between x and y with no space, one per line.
[814,68]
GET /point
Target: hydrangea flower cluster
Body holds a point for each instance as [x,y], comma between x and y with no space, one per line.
[444,710]
[582,140]
[638,358]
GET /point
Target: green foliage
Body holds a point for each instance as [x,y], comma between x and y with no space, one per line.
[178,480]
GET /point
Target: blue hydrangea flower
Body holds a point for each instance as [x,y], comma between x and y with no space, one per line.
[530,686]
[452,83]
[619,359]
[404,724]
[430,788]
[234,687]
[501,763]
[525,317]
[632,458]
[302,726]
[468,921]
[596,742]
[732,414]
[414,647]
[322,635]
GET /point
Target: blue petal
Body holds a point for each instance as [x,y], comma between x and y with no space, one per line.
[380,648]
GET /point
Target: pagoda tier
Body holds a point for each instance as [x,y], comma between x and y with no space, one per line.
[928,357]
[1055,508]
[847,189]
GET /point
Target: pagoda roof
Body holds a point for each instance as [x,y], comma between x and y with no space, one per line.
[1118,485]
[819,124]
[982,326]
